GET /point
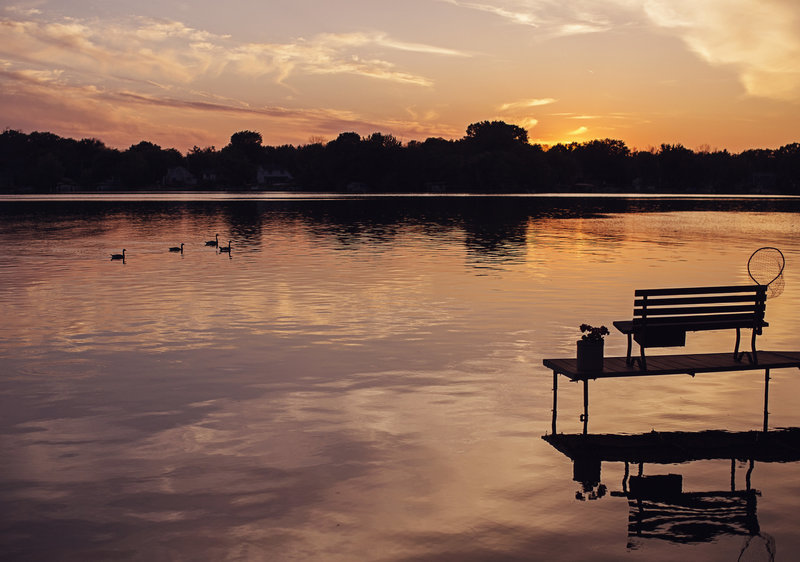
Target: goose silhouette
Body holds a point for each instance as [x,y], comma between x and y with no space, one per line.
[226,248]
[177,249]
[215,242]
[119,256]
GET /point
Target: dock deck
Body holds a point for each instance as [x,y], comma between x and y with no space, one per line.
[687,364]
[676,365]
[673,447]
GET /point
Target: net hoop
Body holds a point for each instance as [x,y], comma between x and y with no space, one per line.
[765,267]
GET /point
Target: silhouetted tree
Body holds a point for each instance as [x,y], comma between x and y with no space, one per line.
[145,164]
[344,161]
[495,135]
[563,166]
[240,159]
[244,139]
[204,164]
[604,162]
[676,167]
[309,166]
[787,165]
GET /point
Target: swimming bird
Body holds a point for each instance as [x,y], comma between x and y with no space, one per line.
[176,249]
[226,248]
[213,243]
[119,256]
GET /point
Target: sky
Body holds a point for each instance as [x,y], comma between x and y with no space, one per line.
[710,74]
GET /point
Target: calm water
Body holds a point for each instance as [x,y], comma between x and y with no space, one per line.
[362,379]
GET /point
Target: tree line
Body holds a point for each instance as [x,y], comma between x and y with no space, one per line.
[492,157]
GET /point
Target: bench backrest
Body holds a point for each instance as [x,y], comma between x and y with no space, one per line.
[699,308]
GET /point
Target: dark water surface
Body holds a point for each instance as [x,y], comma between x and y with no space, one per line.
[362,379]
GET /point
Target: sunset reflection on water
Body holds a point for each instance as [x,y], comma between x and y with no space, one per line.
[359,379]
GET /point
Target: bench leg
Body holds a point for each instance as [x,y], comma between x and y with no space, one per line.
[628,360]
[641,360]
[753,345]
[736,355]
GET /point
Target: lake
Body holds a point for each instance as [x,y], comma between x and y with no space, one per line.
[361,378]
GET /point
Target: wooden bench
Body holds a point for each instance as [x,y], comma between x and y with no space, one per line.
[661,317]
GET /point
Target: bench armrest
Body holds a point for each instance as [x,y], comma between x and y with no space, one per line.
[624,326]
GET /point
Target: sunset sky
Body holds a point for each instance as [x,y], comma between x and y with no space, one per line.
[710,74]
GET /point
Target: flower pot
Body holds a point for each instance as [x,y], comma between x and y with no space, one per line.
[590,355]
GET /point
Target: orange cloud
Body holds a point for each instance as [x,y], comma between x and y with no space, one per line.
[116,79]
[123,117]
[760,38]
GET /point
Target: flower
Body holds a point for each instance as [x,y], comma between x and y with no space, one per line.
[593,334]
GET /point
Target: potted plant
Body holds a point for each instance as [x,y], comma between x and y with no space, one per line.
[590,348]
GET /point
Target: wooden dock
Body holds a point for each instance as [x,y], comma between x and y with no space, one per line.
[657,365]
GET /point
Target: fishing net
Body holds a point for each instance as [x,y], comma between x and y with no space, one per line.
[765,267]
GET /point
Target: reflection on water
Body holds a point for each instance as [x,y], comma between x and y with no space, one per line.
[358,379]
[659,506]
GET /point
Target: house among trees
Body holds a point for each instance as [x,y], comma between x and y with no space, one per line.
[272,175]
[178,176]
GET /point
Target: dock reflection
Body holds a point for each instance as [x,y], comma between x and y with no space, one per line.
[658,506]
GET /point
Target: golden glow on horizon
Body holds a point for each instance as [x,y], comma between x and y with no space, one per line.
[643,71]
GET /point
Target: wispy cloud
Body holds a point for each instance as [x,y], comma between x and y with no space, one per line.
[121,117]
[157,50]
[383,40]
[19,10]
[344,53]
[518,16]
[760,38]
[118,77]
[524,104]
[549,17]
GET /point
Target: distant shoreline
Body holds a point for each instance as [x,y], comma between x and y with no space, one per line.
[492,158]
[189,196]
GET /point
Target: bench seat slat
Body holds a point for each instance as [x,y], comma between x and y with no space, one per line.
[694,300]
[628,327]
[742,320]
[687,310]
[700,326]
[700,290]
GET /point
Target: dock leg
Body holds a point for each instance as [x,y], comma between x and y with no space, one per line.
[585,415]
[766,399]
[625,478]
[555,399]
